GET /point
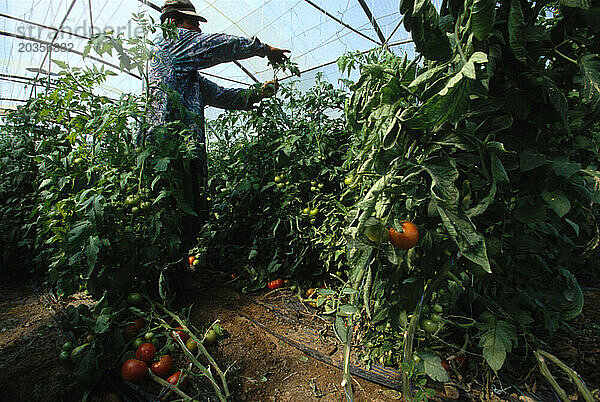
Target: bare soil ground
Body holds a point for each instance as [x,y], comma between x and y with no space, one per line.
[262,367]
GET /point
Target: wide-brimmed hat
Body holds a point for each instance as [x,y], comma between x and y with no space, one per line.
[181,6]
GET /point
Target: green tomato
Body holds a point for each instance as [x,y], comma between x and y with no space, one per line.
[156,342]
[78,161]
[313,183]
[134,299]
[306,210]
[64,356]
[486,316]
[312,221]
[438,308]
[281,185]
[349,180]
[429,326]
[68,346]
[137,343]
[277,179]
[320,186]
[149,335]
[435,317]
[211,337]
[313,189]
[196,262]
[135,210]
[314,212]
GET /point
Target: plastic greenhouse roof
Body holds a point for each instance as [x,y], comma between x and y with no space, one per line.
[316,31]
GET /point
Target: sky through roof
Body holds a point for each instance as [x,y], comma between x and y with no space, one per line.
[316,31]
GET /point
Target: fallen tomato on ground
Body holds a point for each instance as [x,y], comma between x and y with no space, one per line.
[164,367]
[133,370]
[174,378]
[276,284]
[146,352]
[179,330]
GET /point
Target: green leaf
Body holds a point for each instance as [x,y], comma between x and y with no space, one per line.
[347,310]
[498,170]
[91,253]
[558,201]
[102,324]
[433,367]
[562,167]
[583,4]
[516,30]
[61,64]
[44,183]
[443,175]
[496,341]
[340,329]
[470,242]
[162,164]
[558,100]
[483,16]
[389,140]
[450,101]
[529,160]
[589,78]
[484,203]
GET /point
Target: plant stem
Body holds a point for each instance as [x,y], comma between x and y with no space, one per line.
[202,349]
[541,357]
[171,386]
[412,327]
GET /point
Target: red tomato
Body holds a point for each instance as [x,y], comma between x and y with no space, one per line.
[130,331]
[163,367]
[277,283]
[139,323]
[146,352]
[445,365]
[191,259]
[179,330]
[133,370]
[175,377]
[408,238]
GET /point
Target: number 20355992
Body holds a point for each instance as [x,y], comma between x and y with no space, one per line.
[43,47]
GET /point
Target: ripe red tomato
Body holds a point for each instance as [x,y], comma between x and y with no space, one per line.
[133,370]
[175,377]
[277,283]
[191,259]
[408,238]
[130,331]
[163,367]
[179,330]
[139,323]
[146,352]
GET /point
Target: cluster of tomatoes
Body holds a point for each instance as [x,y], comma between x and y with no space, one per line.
[138,202]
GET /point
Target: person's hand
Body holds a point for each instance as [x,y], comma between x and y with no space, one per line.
[269,89]
[276,55]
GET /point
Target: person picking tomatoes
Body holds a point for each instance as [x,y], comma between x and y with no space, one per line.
[180,92]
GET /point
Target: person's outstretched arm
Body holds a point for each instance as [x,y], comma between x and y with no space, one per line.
[233,98]
[195,50]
